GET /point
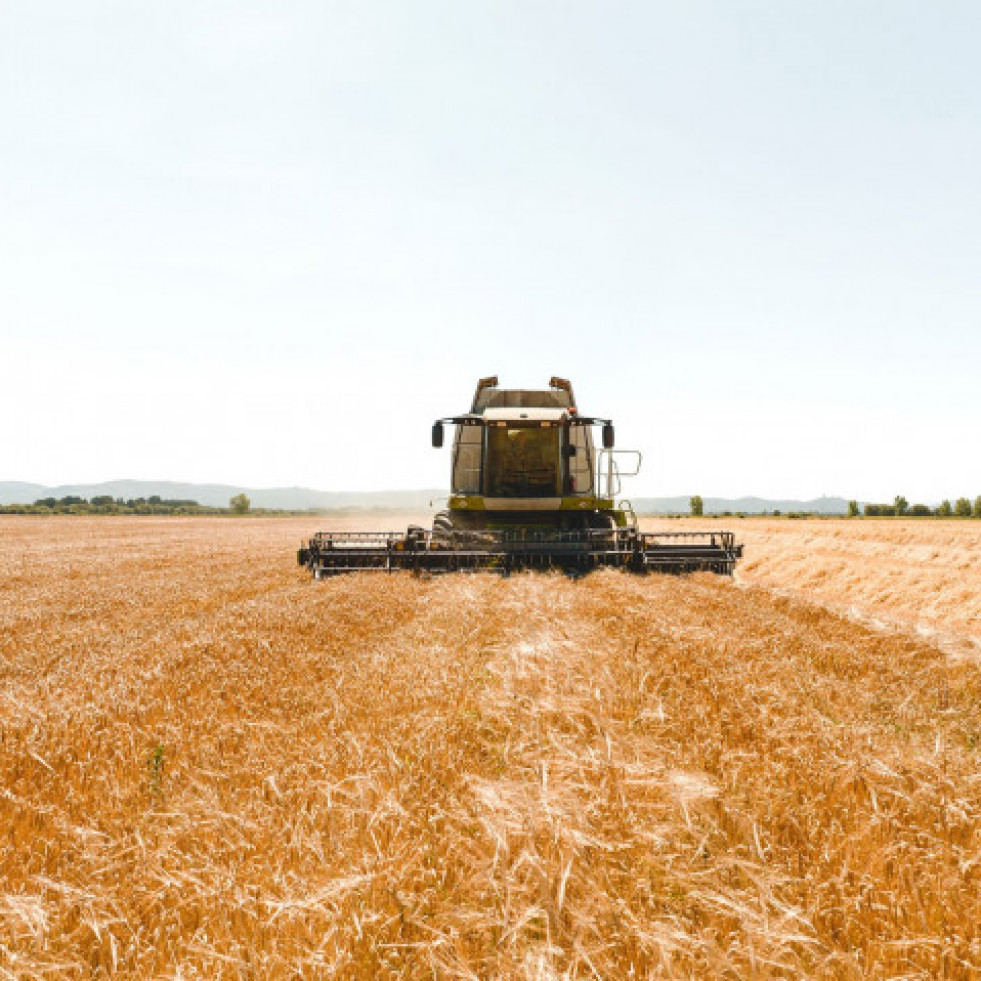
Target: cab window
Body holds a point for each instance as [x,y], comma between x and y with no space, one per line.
[522,461]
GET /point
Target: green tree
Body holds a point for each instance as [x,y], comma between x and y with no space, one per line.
[853,509]
[240,504]
[962,508]
[695,503]
[977,507]
[945,509]
[901,505]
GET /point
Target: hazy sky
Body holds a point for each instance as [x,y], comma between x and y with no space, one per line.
[268,243]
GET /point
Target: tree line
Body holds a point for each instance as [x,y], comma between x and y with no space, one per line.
[901,508]
[106,504]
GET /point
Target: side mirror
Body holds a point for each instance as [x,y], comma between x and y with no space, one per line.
[437,434]
[608,440]
[571,451]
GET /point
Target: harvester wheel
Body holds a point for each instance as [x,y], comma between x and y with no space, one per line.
[603,522]
[442,522]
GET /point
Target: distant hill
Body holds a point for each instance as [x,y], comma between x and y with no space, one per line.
[18,492]
[744,505]
[305,498]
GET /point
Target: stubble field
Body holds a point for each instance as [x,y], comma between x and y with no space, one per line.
[918,574]
[211,766]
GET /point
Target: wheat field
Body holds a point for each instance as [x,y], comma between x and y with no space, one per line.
[905,573]
[213,767]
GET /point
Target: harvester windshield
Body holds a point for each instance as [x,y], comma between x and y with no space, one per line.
[523,461]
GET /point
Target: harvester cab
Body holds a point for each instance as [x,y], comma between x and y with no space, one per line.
[526,459]
[529,488]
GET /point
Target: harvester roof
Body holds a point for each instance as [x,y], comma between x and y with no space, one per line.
[558,395]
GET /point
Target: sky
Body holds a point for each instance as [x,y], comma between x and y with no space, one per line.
[268,243]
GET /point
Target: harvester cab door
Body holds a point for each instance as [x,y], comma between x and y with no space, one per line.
[579,456]
[468,451]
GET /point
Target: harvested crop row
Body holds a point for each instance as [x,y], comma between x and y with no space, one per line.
[212,766]
[920,573]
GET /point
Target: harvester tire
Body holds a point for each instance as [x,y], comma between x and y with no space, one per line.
[442,522]
[603,522]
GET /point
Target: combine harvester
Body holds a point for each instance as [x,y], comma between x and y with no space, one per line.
[529,491]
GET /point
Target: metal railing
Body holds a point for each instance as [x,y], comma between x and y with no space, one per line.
[609,471]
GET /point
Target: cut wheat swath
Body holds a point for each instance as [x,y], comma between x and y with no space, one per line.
[920,573]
